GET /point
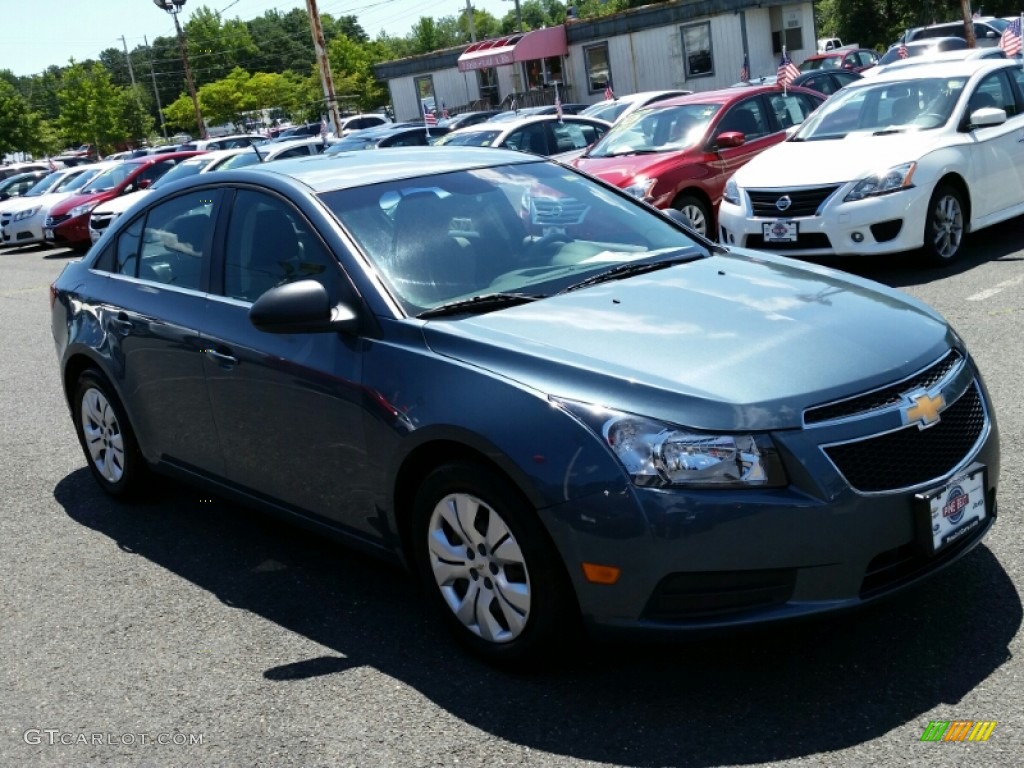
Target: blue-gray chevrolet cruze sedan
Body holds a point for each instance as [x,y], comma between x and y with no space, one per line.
[553,402]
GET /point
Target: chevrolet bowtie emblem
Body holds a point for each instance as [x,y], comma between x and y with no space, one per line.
[923,409]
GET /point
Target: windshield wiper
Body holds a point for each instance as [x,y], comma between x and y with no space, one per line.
[484,303]
[627,152]
[887,131]
[634,268]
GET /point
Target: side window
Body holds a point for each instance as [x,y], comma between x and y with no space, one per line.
[793,108]
[270,244]
[1018,75]
[993,91]
[748,118]
[413,139]
[126,256]
[294,152]
[569,136]
[530,138]
[822,83]
[176,240]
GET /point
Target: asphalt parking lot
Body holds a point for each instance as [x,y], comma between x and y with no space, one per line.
[188,631]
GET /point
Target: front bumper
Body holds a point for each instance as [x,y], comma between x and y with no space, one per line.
[99,223]
[892,223]
[696,560]
[25,232]
[70,231]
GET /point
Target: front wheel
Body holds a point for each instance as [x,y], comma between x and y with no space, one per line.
[698,214]
[944,227]
[489,566]
[106,436]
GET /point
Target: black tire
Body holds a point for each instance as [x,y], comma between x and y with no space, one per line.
[106,436]
[945,226]
[544,617]
[698,213]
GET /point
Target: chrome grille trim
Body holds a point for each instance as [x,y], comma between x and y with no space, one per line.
[934,376]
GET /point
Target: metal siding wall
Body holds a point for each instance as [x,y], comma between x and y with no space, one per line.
[453,88]
[404,99]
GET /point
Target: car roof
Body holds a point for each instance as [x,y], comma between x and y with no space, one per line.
[510,125]
[941,68]
[345,170]
[724,95]
[838,52]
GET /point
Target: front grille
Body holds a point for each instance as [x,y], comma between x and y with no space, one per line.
[53,221]
[887,396]
[903,564]
[683,597]
[910,456]
[803,202]
[100,222]
[808,241]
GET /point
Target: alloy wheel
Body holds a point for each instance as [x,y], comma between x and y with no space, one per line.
[103,438]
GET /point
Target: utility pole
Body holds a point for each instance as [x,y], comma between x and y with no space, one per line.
[156,92]
[469,21]
[965,8]
[131,75]
[325,66]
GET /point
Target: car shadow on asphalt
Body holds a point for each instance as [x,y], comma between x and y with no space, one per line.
[1001,242]
[758,696]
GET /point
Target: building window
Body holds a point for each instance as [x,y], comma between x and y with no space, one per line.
[793,39]
[425,93]
[786,29]
[697,50]
[488,84]
[542,73]
[598,70]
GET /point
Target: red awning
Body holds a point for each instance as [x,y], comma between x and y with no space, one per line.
[538,44]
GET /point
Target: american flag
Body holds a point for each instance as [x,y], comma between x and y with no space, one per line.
[52,165]
[1009,41]
[444,111]
[745,69]
[902,52]
[428,116]
[609,94]
[788,71]
[558,104]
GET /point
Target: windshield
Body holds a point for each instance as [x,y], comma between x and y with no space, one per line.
[607,112]
[45,184]
[657,129]
[182,171]
[525,228]
[241,160]
[110,178]
[81,180]
[470,138]
[909,105]
[826,62]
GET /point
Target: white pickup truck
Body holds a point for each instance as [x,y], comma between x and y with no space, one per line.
[826,44]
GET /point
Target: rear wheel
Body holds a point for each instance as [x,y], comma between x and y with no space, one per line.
[944,227]
[697,212]
[106,436]
[489,566]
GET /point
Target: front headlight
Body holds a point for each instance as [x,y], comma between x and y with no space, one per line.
[81,210]
[659,455]
[28,213]
[732,191]
[892,180]
[641,188]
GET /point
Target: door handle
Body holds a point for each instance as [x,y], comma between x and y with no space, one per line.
[121,324]
[225,361]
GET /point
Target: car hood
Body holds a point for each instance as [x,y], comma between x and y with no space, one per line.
[120,204]
[736,341]
[44,201]
[621,170]
[62,207]
[833,161]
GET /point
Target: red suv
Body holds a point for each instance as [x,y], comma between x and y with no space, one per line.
[678,153]
[68,222]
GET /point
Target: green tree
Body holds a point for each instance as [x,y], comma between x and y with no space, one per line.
[180,115]
[352,67]
[223,101]
[215,46]
[14,126]
[90,107]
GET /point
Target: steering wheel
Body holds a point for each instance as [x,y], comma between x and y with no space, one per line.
[535,248]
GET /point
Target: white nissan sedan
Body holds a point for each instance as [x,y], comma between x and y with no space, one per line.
[910,159]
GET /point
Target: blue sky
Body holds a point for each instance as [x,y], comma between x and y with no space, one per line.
[38,33]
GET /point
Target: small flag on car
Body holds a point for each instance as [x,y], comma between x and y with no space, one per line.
[558,104]
[609,94]
[788,71]
[1009,41]
[745,69]
[444,111]
[428,116]
[902,52]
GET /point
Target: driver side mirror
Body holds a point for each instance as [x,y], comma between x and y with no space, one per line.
[144,184]
[730,139]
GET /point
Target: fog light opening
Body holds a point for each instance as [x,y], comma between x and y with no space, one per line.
[601,574]
[857,237]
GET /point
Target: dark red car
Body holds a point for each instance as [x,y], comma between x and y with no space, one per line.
[852,59]
[678,153]
[68,222]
